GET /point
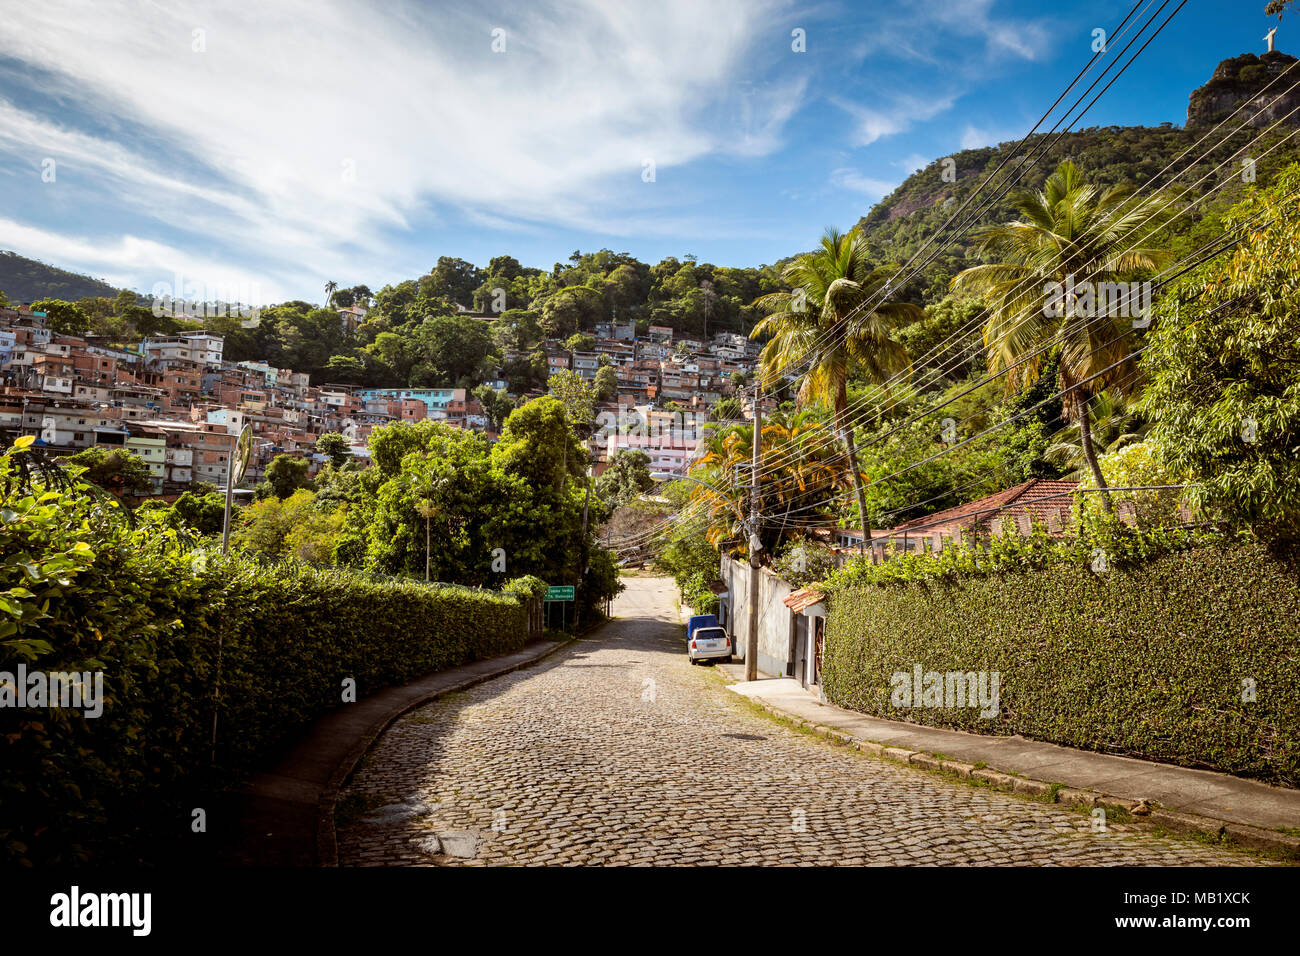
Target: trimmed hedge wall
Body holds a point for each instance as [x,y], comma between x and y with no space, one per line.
[80,590]
[1146,661]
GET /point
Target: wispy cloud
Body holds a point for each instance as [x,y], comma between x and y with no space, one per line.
[955,34]
[310,134]
[851,179]
[873,123]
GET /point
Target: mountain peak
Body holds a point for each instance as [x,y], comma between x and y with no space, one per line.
[1243,79]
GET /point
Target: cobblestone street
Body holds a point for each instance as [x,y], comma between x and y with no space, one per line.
[617,751]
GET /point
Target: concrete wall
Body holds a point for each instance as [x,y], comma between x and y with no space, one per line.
[775,620]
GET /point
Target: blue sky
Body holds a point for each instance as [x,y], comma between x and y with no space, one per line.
[272,146]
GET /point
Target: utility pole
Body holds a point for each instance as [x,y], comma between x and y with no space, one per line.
[230,494]
[751,645]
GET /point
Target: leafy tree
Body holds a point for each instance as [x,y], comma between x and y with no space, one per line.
[119,471]
[451,351]
[538,445]
[570,310]
[1223,359]
[826,325]
[939,344]
[627,477]
[287,474]
[202,512]
[518,329]
[606,384]
[497,404]
[526,373]
[63,317]
[580,342]
[290,527]
[346,370]
[577,397]
[392,443]
[1072,233]
[335,447]
[454,279]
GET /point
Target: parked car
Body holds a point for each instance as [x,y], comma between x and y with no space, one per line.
[709,643]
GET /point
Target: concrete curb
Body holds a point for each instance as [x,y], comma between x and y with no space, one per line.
[326,832]
[1255,838]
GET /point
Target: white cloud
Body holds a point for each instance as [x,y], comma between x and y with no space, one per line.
[973,137]
[955,34]
[912,163]
[123,260]
[851,179]
[873,123]
[324,130]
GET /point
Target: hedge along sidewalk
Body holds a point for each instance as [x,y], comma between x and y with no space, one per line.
[286,815]
[1177,798]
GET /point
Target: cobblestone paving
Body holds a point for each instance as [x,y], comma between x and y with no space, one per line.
[618,751]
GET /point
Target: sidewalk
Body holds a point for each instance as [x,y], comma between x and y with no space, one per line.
[1173,797]
[285,817]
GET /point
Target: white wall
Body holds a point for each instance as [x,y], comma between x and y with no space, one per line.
[775,621]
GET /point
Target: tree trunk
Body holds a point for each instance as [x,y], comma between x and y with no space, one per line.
[846,434]
[582,550]
[1089,453]
[427,520]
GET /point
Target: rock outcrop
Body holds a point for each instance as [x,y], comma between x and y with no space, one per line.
[1246,79]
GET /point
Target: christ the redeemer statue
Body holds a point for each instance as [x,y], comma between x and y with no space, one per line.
[1269,37]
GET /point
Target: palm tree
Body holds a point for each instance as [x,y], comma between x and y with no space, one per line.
[330,288]
[839,320]
[798,469]
[1074,237]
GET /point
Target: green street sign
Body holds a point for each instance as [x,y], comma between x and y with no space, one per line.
[560,594]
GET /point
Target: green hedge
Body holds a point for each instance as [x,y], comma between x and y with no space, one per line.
[81,590]
[1146,660]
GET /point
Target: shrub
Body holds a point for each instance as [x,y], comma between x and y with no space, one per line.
[1148,659]
[175,631]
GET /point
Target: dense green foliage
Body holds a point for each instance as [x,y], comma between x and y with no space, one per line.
[1160,658]
[1224,366]
[416,332]
[173,631]
[117,470]
[627,477]
[900,224]
[447,502]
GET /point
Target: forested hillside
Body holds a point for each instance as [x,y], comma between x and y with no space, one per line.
[900,224]
[26,280]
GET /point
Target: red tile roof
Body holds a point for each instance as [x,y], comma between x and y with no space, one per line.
[1036,497]
[803,598]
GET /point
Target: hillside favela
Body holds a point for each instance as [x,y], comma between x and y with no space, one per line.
[917,486]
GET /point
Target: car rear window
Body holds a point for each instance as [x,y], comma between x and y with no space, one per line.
[710,633]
